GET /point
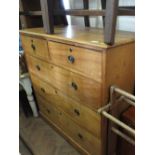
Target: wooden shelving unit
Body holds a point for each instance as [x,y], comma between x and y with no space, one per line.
[41,13]
[30,14]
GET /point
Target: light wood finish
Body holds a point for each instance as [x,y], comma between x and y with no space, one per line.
[84,60]
[83,90]
[76,145]
[79,113]
[120,68]
[77,89]
[64,122]
[35,46]
[91,38]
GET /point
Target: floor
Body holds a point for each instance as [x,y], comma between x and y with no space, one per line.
[23,148]
[41,138]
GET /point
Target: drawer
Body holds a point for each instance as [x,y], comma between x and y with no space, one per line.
[82,115]
[83,90]
[35,46]
[38,67]
[78,59]
[71,129]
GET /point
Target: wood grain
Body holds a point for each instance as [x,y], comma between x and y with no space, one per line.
[35,46]
[78,86]
[83,90]
[120,68]
[64,122]
[121,74]
[85,117]
[69,139]
[91,38]
[85,60]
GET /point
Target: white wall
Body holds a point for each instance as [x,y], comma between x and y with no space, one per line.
[126,23]
[123,23]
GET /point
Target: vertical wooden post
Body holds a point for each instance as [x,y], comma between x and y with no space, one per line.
[86,18]
[23,20]
[103,4]
[110,21]
[47,15]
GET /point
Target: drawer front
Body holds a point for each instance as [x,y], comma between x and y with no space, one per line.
[83,90]
[35,46]
[38,67]
[75,58]
[63,121]
[82,115]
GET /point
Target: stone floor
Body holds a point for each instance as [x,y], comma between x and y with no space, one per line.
[41,138]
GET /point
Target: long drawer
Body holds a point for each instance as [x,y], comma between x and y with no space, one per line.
[35,46]
[72,130]
[76,58]
[83,90]
[82,115]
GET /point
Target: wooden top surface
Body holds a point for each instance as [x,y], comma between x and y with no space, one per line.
[87,37]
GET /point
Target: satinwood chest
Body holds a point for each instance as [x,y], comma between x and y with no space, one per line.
[71,72]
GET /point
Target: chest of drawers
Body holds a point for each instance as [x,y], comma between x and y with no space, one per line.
[71,72]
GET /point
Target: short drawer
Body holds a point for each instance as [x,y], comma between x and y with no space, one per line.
[35,46]
[78,59]
[86,140]
[82,115]
[82,89]
[38,67]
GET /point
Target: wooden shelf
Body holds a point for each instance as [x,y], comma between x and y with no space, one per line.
[109,12]
[31,13]
[126,11]
[82,12]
